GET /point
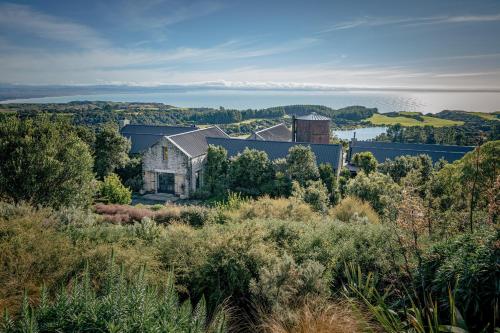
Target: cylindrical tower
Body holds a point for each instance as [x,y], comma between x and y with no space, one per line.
[313,128]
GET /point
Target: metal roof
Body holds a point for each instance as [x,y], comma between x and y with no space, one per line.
[275,133]
[325,153]
[194,143]
[313,116]
[144,136]
[390,150]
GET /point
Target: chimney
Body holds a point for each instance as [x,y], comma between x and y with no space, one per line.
[294,129]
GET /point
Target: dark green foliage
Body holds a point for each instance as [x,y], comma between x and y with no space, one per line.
[45,163]
[301,164]
[111,151]
[400,166]
[467,264]
[121,306]
[251,173]
[365,161]
[131,174]
[469,134]
[329,179]
[195,216]
[215,173]
[314,193]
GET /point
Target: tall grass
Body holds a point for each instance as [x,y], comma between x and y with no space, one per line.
[119,306]
[417,315]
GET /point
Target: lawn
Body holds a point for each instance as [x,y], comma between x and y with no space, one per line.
[380,119]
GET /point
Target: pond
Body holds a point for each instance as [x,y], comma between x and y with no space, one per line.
[362,134]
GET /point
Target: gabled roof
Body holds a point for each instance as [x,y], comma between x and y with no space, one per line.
[194,143]
[325,153]
[390,150]
[274,133]
[144,136]
[313,116]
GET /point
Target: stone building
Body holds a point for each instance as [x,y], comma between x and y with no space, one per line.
[174,163]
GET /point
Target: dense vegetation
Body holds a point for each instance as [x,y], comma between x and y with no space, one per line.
[404,246]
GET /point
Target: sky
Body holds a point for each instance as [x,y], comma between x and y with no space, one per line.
[383,44]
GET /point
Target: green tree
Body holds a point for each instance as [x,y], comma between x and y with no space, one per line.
[215,172]
[45,163]
[111,151]
[329,179]
[365,161]
[251,173]
[377,189]
[113,191]
[301,164]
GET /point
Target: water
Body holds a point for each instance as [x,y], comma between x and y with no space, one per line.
[362,134]
[426,102]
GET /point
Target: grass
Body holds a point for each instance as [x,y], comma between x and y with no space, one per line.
[380,119]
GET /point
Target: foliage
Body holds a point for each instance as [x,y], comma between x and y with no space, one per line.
[121,306]
[113,191]
[251,173]
[301,164]
[111,151]
[400,166]
[329,179]
[352,209]
[411,120]
[469,264]
[377,189]
[131,174]
[315,194]
[215,172]
[44,163]
[365,161]
[286,283]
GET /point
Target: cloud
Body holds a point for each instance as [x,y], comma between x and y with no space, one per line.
[161,13]
[27,20]
[368,21]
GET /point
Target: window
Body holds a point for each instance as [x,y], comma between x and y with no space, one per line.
[165,153]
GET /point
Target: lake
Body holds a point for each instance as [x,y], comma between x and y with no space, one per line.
[362,134]
[426,102]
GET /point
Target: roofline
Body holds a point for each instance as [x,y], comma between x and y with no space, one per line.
[198,130]
[416,150]
[292,142]
[268,128]
[409,143]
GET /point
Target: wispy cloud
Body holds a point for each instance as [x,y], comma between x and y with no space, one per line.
[152,14]
[368,21]
[27,20]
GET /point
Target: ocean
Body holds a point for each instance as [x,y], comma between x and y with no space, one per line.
[425,102]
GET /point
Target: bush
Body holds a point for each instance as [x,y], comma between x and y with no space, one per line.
[120,306]
[280,208]
[351,209]
[377,189]
[195,216]
[113,191]
[315,194]
[468,264]
[286,283]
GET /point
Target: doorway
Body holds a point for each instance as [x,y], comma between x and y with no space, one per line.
[166,183]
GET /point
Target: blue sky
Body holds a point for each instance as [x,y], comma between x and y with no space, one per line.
[442,44]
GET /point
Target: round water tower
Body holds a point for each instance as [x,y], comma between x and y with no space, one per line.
[313,128]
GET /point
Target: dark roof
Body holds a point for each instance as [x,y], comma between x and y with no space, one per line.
[194,143]
[144,136]
[313,116]
[391,150]
[275,133]
[325,153]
